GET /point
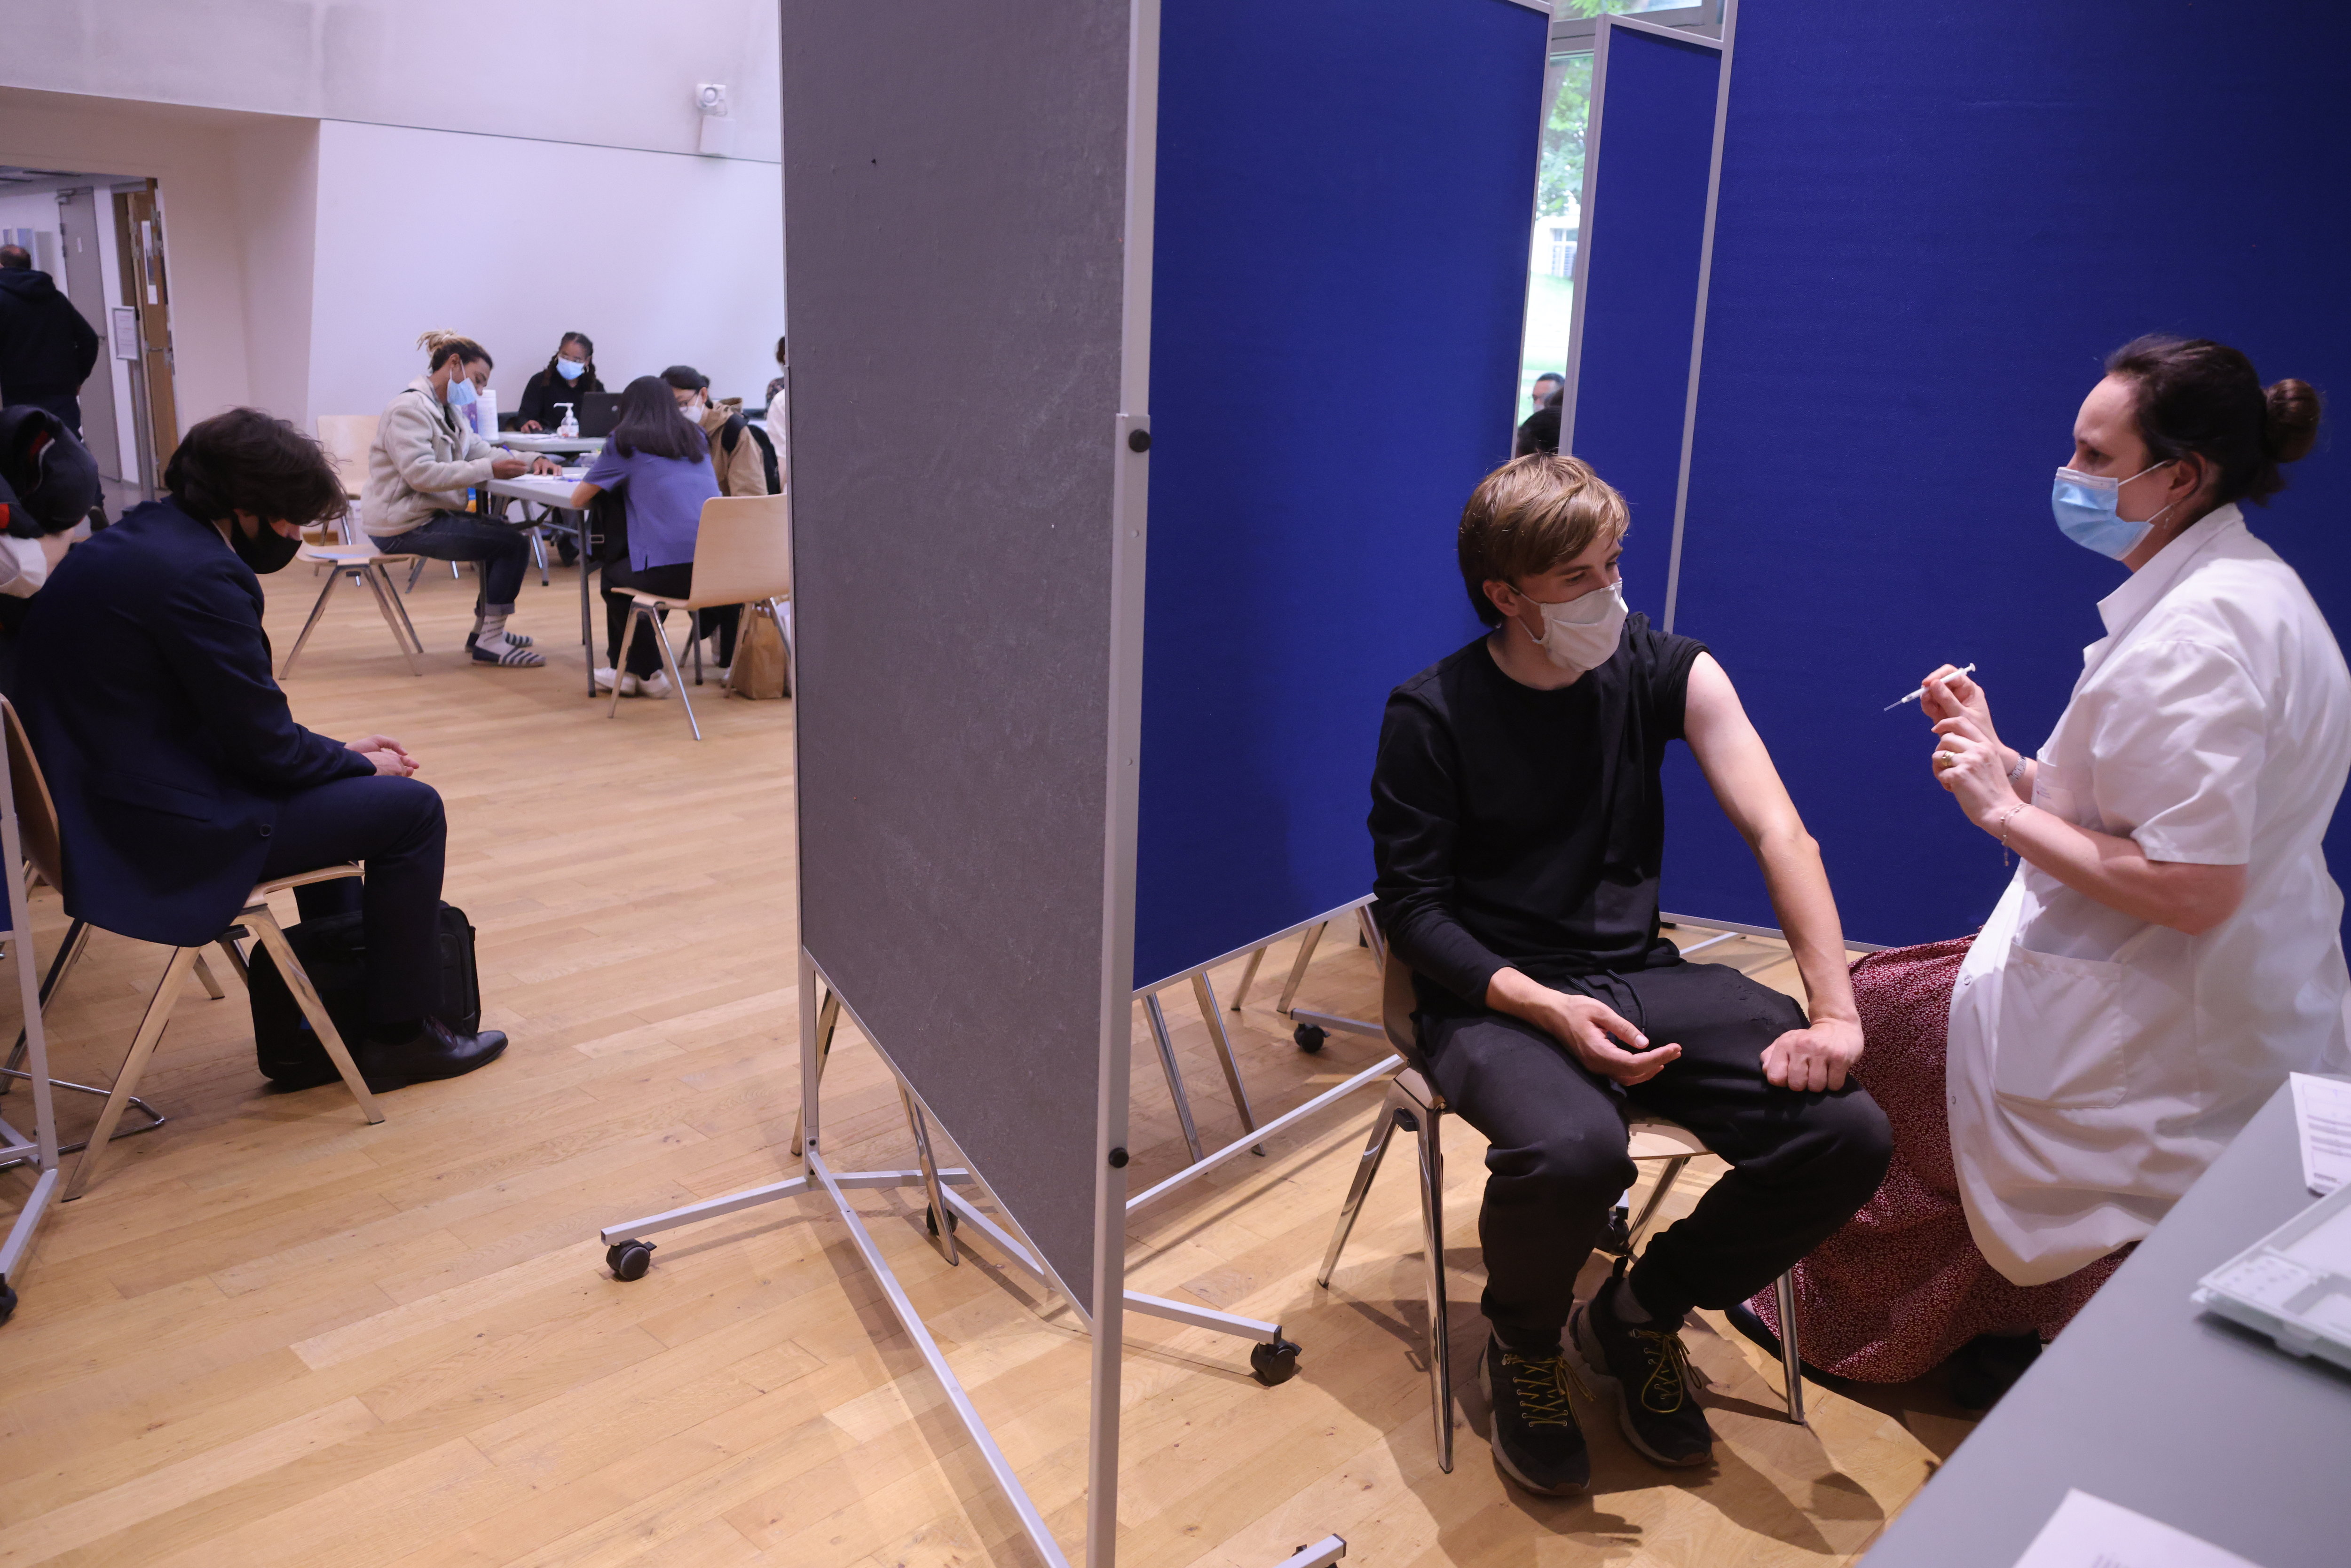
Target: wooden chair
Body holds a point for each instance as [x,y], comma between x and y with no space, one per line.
[362,563]
[37,815]
[1414,1105]
[742,555]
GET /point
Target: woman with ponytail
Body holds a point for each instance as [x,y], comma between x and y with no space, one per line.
[2169,951]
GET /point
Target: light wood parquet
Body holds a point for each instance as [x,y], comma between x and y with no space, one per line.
[271,1334]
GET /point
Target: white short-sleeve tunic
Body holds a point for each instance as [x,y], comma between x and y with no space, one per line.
[2098,1063]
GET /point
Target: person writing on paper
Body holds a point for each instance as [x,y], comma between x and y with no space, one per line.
[659,460]
[2167,951]
[570,376]
[423,460]
[1517,830]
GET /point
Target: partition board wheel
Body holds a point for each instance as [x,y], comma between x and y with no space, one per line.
[629,1260]
[1310,1038]
[1274,1362]
[931,1220]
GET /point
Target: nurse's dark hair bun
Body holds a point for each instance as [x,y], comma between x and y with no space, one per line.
[2201,397]
[2291,429]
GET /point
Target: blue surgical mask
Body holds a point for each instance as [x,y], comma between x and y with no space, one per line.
[2085,505]
[570,369]
[461,391]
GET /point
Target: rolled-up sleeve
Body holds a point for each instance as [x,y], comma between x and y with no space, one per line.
[2176,760]
[1414,821]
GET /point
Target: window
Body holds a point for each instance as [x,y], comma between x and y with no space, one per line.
[1559,188]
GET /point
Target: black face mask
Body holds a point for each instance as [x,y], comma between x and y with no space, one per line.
[265,551]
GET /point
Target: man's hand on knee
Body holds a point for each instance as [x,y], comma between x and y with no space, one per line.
[1815,1058]
[1583,1026]
[388,755]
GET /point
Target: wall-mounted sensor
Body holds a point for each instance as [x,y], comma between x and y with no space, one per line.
[718,126]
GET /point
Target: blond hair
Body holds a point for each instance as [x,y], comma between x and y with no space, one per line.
[1529,516]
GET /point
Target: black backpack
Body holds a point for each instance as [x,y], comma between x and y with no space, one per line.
[768,458]
[332,950]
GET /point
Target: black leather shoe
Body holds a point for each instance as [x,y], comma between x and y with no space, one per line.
[434,1050]
[1743,1318]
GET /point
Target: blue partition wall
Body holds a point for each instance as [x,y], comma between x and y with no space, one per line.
[1934,221]
[1647,163]
[1344,194]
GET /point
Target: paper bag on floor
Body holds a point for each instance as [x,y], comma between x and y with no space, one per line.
[759,668]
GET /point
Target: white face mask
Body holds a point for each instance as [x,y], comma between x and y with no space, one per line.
[1582,633]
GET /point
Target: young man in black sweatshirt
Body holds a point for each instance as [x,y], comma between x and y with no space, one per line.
[1518,827]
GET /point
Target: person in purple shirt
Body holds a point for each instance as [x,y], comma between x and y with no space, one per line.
[659,461]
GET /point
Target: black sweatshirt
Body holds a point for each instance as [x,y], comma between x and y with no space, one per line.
[1523,829]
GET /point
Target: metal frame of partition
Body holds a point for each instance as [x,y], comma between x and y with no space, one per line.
[1272,1357]
[40,1150]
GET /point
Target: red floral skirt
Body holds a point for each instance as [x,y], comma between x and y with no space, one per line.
[1901,1286]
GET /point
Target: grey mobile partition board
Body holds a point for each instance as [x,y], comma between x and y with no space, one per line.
[1648,171]
[1934,221]
[959,207]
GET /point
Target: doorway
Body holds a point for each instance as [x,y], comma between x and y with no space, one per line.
[79,229]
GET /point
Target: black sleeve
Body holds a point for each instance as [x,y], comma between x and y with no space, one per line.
[1416,818]
[1667,660]
[533,406]
[85,337]
[211,629]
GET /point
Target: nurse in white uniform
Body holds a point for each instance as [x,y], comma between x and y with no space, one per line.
[2169,950]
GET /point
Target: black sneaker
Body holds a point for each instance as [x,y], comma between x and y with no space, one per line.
[1536,1441]
[1646,1367]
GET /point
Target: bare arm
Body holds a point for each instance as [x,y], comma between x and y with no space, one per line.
[1739,769]
[2115,871]
[581,494]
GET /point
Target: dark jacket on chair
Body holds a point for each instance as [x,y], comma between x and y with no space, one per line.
[144,680]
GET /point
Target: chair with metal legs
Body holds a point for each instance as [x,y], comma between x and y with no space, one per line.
[37,816]
[1415,1106]
[364,564]
[742,555]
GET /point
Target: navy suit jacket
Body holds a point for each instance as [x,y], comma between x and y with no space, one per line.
[144,680]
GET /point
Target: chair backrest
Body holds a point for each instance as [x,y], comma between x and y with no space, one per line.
[36,812]
[347,438]
[743,549]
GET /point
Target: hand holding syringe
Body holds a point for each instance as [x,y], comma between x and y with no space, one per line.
[1914,696]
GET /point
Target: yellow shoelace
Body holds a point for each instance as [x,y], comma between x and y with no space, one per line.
[1543,1383]
[1667,1383]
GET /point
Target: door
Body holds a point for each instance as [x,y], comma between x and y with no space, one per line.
[138,228]
[85,285]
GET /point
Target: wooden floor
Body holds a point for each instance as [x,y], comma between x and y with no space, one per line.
[271,1334]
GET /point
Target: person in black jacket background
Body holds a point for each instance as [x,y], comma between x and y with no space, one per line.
[181,777]
[46,349]
[571,375]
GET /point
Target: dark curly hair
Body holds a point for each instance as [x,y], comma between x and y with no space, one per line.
[246,461]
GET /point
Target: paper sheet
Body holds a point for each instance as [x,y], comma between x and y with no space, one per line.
[2322,1111]
[2090,1532]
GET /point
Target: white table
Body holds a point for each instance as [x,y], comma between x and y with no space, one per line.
[517,441]
[551,493]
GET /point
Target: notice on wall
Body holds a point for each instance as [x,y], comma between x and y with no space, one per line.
[2322,1112]
[2090,1532]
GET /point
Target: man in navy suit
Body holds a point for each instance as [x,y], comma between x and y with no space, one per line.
[181,777]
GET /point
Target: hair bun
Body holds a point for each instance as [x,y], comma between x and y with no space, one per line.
[2290,424]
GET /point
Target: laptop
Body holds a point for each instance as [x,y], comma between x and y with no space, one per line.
[598,413]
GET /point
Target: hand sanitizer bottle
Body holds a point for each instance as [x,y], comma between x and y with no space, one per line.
[569,428]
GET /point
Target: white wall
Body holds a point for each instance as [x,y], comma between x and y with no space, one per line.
[661,259]
[617,73]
